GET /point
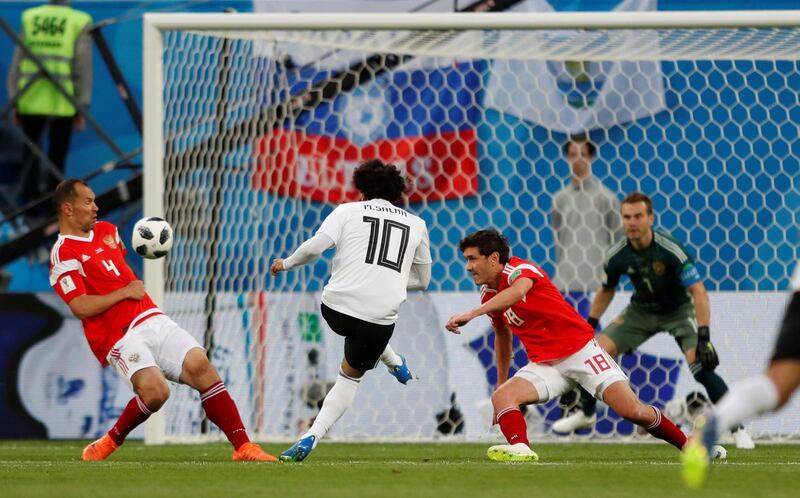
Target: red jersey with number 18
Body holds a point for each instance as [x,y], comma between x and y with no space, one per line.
[95,265]
[547,325]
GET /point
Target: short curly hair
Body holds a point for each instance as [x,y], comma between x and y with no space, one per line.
[377,180]
[487,242]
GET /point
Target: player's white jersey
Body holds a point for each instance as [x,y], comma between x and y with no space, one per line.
[794,284]
[376,244]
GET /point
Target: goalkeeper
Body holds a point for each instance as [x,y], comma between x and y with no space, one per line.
[669,295]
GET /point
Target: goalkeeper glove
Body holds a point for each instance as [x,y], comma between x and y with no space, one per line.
[593,322]
[706,352]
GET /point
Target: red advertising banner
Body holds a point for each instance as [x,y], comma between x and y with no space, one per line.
[320,168]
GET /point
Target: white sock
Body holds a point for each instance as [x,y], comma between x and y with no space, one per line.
[390,358]
[747,399]
[336,403]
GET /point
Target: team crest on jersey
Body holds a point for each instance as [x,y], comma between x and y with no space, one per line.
[658,268]
[109,241]
[133,358]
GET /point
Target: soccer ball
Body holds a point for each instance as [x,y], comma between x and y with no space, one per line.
[696,404]
[152,238]
[683,411]
[718,452]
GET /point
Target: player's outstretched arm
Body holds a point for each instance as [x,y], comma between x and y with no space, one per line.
[88,305]
[307,252]
[501,302]
[702,307]
[420,275]
[706,352]
[503,344]
[602,299]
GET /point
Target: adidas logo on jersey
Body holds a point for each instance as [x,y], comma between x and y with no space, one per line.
[85,258]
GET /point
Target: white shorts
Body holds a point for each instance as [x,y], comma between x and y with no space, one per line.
[155,342]
[591,367]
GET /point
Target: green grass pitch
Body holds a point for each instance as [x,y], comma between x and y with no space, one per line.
[53,469]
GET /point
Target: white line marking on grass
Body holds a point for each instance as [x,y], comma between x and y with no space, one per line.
[582,463]
[14,464]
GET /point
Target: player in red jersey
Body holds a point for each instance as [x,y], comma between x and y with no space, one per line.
[521,300]
[126,329]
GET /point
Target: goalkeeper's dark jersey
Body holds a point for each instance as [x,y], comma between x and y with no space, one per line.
[660,273]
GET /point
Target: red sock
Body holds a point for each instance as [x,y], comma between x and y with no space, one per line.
[132,416]
[663,428]
[512,423]
[221,410]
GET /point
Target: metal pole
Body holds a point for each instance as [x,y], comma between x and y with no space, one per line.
[122,85]
[217,160]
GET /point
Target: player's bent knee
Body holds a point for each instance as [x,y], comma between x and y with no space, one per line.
[501,398]
[513,393]
[787,387]
[197,370]
[351,371]
[785,375]
[196,362]
[153,395]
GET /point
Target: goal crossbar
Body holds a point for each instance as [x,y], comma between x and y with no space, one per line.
[483,20]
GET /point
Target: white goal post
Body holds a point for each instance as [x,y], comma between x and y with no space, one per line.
[254,122]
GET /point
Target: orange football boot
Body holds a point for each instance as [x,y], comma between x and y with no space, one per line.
[100,449]
[251,452]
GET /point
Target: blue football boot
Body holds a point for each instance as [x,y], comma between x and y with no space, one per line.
[401,371]
[299,450]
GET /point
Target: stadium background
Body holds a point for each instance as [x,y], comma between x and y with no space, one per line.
[756,259]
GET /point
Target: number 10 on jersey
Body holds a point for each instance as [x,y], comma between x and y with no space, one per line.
[386,236]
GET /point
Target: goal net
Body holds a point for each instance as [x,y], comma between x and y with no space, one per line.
[254,124]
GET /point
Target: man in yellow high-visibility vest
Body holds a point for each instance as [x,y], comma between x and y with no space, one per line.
[59,36]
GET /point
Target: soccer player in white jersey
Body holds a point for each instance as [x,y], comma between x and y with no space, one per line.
[751,397]
[381,251]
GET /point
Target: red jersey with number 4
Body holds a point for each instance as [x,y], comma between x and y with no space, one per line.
[95,265]
[547,325]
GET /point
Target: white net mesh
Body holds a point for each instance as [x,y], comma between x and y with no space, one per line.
[565,44]
[263,130]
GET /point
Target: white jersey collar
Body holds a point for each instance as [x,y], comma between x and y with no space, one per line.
[88,238]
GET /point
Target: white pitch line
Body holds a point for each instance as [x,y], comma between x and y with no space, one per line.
[38,463]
